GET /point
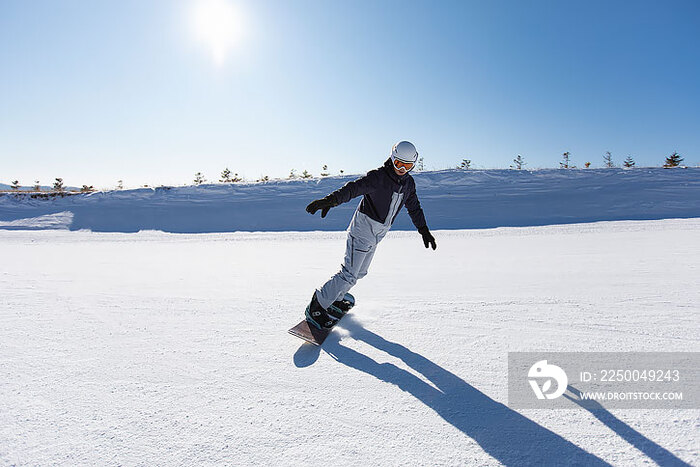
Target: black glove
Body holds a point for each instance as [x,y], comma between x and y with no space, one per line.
[324,204]
[428,238]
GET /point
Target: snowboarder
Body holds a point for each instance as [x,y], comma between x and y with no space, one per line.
[385,191]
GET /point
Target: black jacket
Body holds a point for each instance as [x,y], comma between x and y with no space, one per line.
[378,188]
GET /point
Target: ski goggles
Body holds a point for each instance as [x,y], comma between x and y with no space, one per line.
[406,166]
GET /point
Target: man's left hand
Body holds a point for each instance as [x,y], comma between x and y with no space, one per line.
[428,239]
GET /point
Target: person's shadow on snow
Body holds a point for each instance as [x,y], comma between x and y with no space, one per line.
[503,433]
[655,452]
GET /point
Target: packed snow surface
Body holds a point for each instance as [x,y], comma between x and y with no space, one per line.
[156,348]
[452,199]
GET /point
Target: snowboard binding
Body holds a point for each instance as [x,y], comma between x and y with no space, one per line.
[321,318]
[339,308]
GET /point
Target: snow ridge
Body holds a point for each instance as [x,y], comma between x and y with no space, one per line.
[452,199]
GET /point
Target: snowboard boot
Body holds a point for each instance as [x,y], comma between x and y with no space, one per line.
[319,317]
[339,308]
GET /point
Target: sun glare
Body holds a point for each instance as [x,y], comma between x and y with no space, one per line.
[217,25]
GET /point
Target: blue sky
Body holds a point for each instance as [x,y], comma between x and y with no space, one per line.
[97,91]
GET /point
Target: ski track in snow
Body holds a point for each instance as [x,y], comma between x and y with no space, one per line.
[171,349]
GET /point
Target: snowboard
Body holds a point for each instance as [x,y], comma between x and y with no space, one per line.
[313,335]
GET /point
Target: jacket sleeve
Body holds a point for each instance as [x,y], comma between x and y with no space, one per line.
[361,186]
[414,209]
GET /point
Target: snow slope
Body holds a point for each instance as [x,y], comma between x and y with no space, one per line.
[162,349]
[452,199]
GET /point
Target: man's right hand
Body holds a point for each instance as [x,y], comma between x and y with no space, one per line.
[324,204]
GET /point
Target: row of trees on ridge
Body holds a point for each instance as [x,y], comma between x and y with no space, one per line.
[674,160]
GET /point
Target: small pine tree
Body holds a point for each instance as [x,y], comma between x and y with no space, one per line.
[37,185]
[225,176]
[566,161]
[466,164]
[236,178]
[342,171]
[674,160]
[87,189]
[264,178]
[58,185]
[607,158]
[629,162]
[306,174]
[120,184]
[324,171]
[419,165]
[199,178]
[292,174]
[15,185]
[518,162]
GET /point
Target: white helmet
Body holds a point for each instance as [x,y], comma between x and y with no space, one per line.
[404,152]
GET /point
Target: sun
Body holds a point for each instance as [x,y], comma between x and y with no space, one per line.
[217,26]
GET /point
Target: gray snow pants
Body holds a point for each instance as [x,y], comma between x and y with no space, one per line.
[363,236]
